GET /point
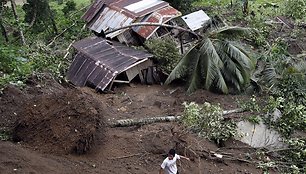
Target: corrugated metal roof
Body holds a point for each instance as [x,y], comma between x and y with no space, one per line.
[196,20]
[160,16]
[110,19]
[99,61]
[143,5]
[139,8]
[106,15]
[94,9]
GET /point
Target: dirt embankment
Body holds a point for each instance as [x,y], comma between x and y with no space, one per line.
[53,125]
[62,122]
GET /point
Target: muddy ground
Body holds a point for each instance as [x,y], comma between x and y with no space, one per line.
[62,129]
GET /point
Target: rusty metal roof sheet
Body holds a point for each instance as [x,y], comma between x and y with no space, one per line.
[105,15]
[99,61]
[160,16]
[196,20]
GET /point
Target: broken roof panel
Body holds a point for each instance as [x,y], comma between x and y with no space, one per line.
[94,9]
[144,6]
[104,15]
[160,16]
[196,20]
[110,19]
[99,61]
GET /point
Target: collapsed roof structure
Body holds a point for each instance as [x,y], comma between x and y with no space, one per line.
[106,15]
[99,62]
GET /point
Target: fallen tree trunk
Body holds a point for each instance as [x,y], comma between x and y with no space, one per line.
[143,121]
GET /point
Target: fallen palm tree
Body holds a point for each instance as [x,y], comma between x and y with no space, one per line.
[150,120]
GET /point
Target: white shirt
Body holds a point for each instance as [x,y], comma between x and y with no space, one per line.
[169,166]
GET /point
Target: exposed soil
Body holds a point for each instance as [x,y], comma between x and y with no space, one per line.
[61,130]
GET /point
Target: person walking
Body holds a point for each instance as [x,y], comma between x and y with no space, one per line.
[169,164]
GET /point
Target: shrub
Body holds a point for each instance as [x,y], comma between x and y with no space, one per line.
[165,52]
[184,6]
[14,65]
[295,8]
[69,6]
[207,120]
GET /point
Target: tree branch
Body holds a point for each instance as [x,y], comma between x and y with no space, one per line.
[57,36]
[13,4]
[154,24]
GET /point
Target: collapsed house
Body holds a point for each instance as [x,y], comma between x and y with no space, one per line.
[104,16]
[100,62]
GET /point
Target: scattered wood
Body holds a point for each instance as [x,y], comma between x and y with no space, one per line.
[238,110]
[70,45]
[64,31]
[283,20]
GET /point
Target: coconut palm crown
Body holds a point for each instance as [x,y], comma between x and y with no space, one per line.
[215,62]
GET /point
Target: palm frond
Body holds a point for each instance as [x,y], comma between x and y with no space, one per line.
[301,66]
[195,78]
[211,62]
[181,69]
[243,65]
[269,75]
[230,71]
[221,84]
[238,56]
[232,32]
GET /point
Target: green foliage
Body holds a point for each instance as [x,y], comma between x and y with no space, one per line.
[214,63]
[39,13]
[250,105]
[4,136]
[293,114]
[13,65]
[185,6]
[207,120]
[292,87]
[296,154]
[294,118]
[18,63]
[253,119]
[265,166]
[69,6]
[295,8]
[216,3]
[165,52]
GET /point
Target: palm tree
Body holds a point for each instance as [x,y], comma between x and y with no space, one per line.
[215,62]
